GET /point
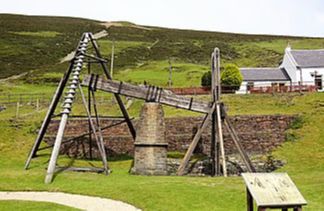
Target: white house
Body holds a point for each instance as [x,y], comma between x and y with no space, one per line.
[305,66]
[299,67]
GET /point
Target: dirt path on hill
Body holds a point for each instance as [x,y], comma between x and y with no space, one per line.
[71,200]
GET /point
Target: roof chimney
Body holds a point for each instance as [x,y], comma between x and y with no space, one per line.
[288,48]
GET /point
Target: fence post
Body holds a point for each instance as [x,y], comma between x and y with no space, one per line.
[37,104]
[17,110]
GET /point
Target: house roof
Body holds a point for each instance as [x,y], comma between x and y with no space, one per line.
[264,74]
[308,58]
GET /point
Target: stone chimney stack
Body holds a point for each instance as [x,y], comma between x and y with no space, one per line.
[150,156]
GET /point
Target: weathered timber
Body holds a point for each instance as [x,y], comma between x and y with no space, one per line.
[195,141]
[149,93]
[272,190]
[220,138]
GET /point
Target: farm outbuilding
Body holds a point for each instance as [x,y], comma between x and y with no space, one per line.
[263,77]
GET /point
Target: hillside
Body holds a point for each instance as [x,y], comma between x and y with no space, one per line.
[33,43]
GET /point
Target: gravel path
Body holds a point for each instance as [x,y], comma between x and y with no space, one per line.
[72,200]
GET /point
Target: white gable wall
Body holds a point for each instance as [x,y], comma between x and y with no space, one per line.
[290,66]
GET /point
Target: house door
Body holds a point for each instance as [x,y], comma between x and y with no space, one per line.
[318,82]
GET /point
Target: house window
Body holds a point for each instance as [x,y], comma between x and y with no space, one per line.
[318,82]
[250,85]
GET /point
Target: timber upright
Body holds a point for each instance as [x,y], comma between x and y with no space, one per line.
[71,84]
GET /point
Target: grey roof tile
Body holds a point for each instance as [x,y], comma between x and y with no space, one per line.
[264,74]
[308,58]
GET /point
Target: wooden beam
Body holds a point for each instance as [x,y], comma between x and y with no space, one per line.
[152,94]
[195,141]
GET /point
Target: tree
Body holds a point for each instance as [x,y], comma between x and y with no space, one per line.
[231,76]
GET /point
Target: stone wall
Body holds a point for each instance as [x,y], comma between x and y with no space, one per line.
[259,134]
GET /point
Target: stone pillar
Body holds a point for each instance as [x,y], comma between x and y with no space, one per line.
[150,156]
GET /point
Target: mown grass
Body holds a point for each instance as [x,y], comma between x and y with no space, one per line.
[29,205]
[305,163]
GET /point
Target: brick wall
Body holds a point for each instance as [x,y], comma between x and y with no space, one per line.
[258,134]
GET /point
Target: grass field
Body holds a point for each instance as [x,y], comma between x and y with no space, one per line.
[304,156]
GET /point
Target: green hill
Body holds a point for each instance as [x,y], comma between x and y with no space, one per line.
[37,43]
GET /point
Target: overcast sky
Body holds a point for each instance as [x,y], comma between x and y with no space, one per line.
[284,17]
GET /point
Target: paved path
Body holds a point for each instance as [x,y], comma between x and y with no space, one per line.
[72,200]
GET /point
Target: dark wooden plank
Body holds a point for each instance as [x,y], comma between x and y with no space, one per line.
[142,92]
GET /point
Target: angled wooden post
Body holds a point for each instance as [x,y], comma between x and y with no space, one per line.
[238,145]
[195,141]
[118,98]
[49,114]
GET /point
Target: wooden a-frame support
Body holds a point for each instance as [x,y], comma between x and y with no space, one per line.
[217,115]
[74,70]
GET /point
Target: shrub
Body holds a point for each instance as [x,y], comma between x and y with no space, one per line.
[206,79]
[231,76]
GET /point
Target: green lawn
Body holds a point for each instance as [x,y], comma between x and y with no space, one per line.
[305,162]
[29,205]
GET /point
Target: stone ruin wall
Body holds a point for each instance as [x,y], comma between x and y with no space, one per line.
[259,134]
